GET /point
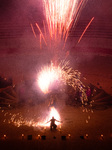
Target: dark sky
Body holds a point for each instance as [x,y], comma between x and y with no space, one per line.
[100,9]
[21,10]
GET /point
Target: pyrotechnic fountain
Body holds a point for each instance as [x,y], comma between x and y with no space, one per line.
[61,16]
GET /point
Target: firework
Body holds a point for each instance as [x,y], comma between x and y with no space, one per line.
[18,119]
[60,16]
[62,73]
[85,29]
[33,31]
[41,33]
[47,76]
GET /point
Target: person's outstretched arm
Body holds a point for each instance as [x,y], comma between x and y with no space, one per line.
[48,121]
[59,121]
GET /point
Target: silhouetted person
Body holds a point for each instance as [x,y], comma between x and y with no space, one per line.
[52,124]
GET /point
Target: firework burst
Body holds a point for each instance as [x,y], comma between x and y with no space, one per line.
[62,73]
[47,76]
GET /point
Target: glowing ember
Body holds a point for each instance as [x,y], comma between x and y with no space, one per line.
[19,119]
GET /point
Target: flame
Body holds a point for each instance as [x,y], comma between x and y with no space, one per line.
[53,113]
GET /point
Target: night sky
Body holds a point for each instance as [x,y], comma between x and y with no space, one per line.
[15,10]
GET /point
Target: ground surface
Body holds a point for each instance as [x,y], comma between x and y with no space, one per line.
[74,123]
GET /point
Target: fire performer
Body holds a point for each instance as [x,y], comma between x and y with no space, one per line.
[52,124]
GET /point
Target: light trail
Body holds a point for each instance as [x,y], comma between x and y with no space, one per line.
[60,16]
[40,41]
[85,29]
[44,28]
[41,33]
[33,31]
[77,10]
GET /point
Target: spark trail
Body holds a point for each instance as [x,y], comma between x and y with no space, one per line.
[85,29]
[60,16]
[33,31]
